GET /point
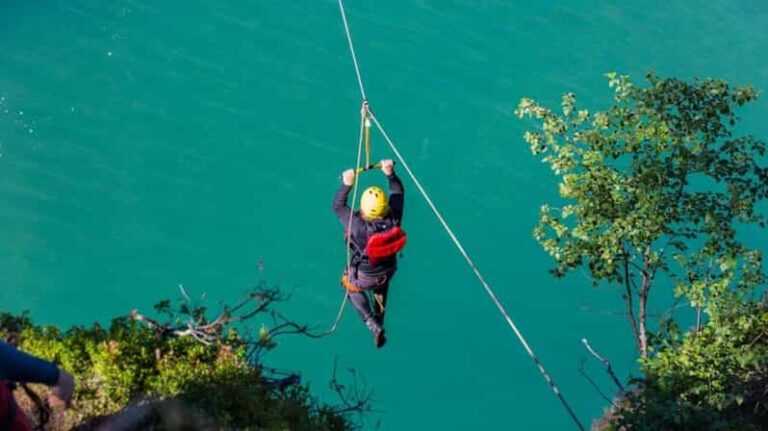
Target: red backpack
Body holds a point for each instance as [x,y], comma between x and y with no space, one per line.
[384,244]
[385,239]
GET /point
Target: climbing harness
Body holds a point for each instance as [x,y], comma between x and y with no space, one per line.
[349,285]
[450,232]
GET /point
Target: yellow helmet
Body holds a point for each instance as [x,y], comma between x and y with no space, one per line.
[374,203]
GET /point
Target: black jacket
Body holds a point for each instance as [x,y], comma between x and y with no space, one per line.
[359,228]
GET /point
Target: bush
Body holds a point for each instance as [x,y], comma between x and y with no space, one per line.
[130,364]
[714,379]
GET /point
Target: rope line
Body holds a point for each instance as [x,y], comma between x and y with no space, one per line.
[456,241]
[352,50]
[335,325]
[355,187]
[332,329]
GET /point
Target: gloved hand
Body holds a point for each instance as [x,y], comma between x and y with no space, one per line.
[388,167]
[348,177]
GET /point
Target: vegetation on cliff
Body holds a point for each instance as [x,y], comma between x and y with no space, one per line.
[657,194]
[183,370]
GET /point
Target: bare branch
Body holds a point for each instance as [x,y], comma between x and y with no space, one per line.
[605,362]
[184,293]
[207,333]
[354,398]
[594,384]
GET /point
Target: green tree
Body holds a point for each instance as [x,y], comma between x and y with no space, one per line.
[657,184]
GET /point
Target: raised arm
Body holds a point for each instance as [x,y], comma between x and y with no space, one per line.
[396,190]
[20,367]
[17,366]
[340,207]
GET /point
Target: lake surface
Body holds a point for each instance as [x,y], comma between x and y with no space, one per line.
[150,144]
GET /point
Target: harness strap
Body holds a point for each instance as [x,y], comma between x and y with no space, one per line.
[358,253]
[349,285]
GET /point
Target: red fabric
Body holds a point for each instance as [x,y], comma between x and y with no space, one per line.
[385,244]
[19,422]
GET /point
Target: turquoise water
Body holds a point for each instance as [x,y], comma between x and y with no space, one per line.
[150,144]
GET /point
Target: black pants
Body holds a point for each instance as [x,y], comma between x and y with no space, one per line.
[362,301]
[370,302]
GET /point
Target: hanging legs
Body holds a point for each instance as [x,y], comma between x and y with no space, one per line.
[372,320]
[362,297]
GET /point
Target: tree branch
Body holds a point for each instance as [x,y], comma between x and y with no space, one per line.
[353,398]
[645,288]
[196,326]
[606,363]
[594,384]
[630,301]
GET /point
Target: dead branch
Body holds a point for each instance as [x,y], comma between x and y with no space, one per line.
[258,301]
[594,384]
[605,362]
[354,398]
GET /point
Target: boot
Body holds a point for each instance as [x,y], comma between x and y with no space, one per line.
[379,339]
[376,330]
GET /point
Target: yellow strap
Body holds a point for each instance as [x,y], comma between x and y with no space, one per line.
[369,167]
[367,141]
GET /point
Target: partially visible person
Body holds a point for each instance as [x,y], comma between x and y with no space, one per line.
[19,367]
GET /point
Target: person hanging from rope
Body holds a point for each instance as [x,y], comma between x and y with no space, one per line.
[19,367]
[375,238]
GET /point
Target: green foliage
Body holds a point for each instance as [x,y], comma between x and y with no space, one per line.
[129,362]
[660,164]
[714,379]
[658,184]
[654,184]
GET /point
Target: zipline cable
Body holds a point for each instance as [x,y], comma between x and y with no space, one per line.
[456,241]
[352,50]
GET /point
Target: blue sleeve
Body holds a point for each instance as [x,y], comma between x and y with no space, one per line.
[20,367]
